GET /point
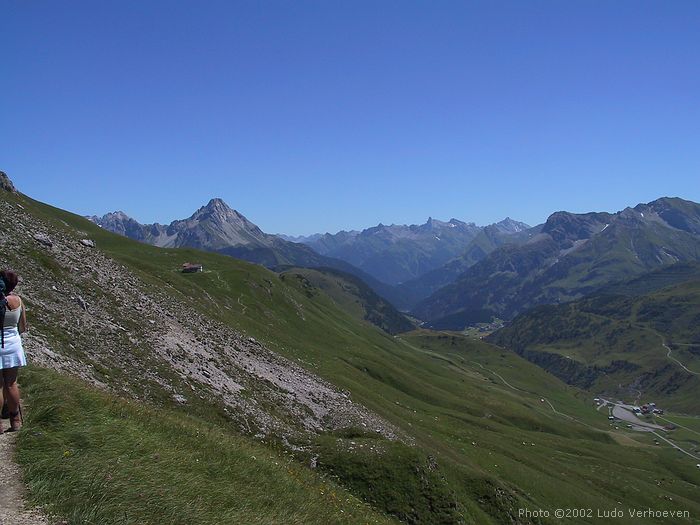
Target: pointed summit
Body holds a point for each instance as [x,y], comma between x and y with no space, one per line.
[218,211]
[509,225]
[217,203]
[217,207]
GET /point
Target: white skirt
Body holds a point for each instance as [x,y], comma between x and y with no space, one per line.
[12,354]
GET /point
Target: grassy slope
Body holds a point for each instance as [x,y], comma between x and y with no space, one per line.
[478,430]
[99,459]
[353,296]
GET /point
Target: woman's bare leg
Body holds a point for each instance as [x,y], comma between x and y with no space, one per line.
[10,389]
[2,388]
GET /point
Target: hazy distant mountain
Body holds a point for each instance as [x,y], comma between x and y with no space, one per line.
[304,239]
[573,255]
[485,242]
[218,228]
[326,243]
[508,226]
[399,253]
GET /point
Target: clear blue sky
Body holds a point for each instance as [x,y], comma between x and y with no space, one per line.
[318,116]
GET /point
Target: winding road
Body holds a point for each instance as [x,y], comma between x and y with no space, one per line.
[572,418]
[677,361]
[675,446]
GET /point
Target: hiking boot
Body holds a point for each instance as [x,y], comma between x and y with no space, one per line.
[15,422]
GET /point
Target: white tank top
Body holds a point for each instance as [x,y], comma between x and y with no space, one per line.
[12,316]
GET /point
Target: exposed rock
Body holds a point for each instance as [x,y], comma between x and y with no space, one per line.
[6,183]
[44,239]
[180,399]
[87,242]
[82,303]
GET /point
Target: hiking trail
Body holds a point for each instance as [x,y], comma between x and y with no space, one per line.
[13,509]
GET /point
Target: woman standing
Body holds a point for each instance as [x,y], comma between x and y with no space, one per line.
[14,322]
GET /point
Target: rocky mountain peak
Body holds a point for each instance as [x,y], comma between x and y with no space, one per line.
[117,215]
[431,224]
[565,227]
[217,208]
[217,204]
[113,217]
[677,213]
[509,225]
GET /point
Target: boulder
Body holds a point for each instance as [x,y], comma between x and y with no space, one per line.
[44,239]
[82,303]
[179,399]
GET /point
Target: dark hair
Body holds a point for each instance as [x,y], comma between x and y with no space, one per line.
[10,279]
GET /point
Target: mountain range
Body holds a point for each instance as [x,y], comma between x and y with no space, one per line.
[398,253]
[486,241]
[572,256]
[382,256]
[453,274]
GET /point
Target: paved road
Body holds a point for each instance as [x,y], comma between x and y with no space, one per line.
[678,425]
[675,446]
[678,362]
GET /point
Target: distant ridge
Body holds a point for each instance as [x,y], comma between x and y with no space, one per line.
[572,256]
[398,253]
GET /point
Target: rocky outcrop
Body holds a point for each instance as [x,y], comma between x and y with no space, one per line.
[6,183]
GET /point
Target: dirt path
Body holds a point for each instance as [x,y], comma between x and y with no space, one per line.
[12,504]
